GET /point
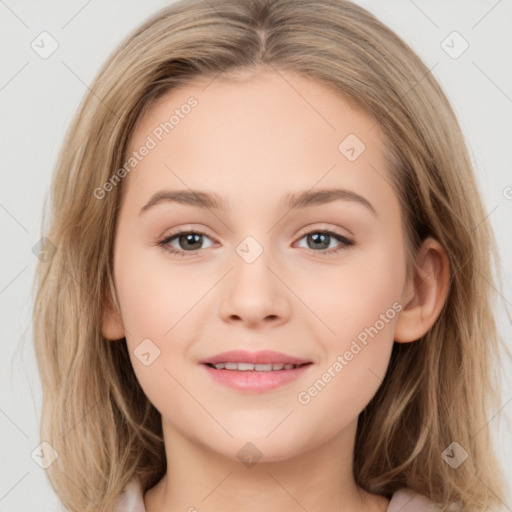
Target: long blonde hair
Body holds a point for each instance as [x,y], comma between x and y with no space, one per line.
[437,390]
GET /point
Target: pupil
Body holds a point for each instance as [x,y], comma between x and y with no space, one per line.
[316,236]
[190,238]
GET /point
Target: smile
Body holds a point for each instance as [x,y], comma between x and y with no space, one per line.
[244,367]
[255,378]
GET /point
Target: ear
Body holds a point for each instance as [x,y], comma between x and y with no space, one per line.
[112,327]
[425,292]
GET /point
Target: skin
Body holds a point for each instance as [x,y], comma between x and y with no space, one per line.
[252,141]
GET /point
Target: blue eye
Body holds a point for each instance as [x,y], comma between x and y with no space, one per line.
[192,240]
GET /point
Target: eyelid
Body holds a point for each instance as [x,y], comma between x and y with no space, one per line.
[187,228]
[325,227]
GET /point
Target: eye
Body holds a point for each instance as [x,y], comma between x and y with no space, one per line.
[191,241]
[187,239]
[321,239]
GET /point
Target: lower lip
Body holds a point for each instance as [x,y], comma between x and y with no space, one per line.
[254,381]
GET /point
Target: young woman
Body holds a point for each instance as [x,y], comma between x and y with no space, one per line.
[270,289]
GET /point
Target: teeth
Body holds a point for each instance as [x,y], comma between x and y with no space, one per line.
[257,367]
[263,367]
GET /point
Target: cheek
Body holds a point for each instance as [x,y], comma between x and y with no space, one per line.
[160,304]
[360,303]
[355,363]
[351,296]
[155,293]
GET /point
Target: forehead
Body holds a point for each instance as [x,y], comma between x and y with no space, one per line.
[256,133]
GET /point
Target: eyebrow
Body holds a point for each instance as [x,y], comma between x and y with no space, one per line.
[301,199]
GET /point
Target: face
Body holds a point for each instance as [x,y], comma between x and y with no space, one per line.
[321,280]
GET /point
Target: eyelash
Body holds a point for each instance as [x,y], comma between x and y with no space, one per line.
[346,242]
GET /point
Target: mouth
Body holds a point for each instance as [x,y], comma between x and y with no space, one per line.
[259,361]
[249,367]
[255,372]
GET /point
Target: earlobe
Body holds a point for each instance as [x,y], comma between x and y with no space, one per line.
[425,294]
[112,327]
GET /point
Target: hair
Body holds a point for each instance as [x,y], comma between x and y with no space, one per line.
[437,390]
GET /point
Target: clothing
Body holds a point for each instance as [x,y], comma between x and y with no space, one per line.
[403,500]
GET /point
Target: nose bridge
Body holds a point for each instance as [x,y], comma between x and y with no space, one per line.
[254,292]
[252,264]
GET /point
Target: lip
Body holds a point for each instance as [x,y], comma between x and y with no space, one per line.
[253,381]
[261,357]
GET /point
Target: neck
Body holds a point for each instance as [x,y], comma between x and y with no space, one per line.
[320,479]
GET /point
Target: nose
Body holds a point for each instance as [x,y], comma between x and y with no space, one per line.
[254,293]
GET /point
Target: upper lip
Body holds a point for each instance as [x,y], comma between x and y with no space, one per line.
[261,357]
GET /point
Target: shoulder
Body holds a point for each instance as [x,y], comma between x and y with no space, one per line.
[131,500]
[407,500]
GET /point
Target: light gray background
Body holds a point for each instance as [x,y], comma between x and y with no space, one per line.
[39,96]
